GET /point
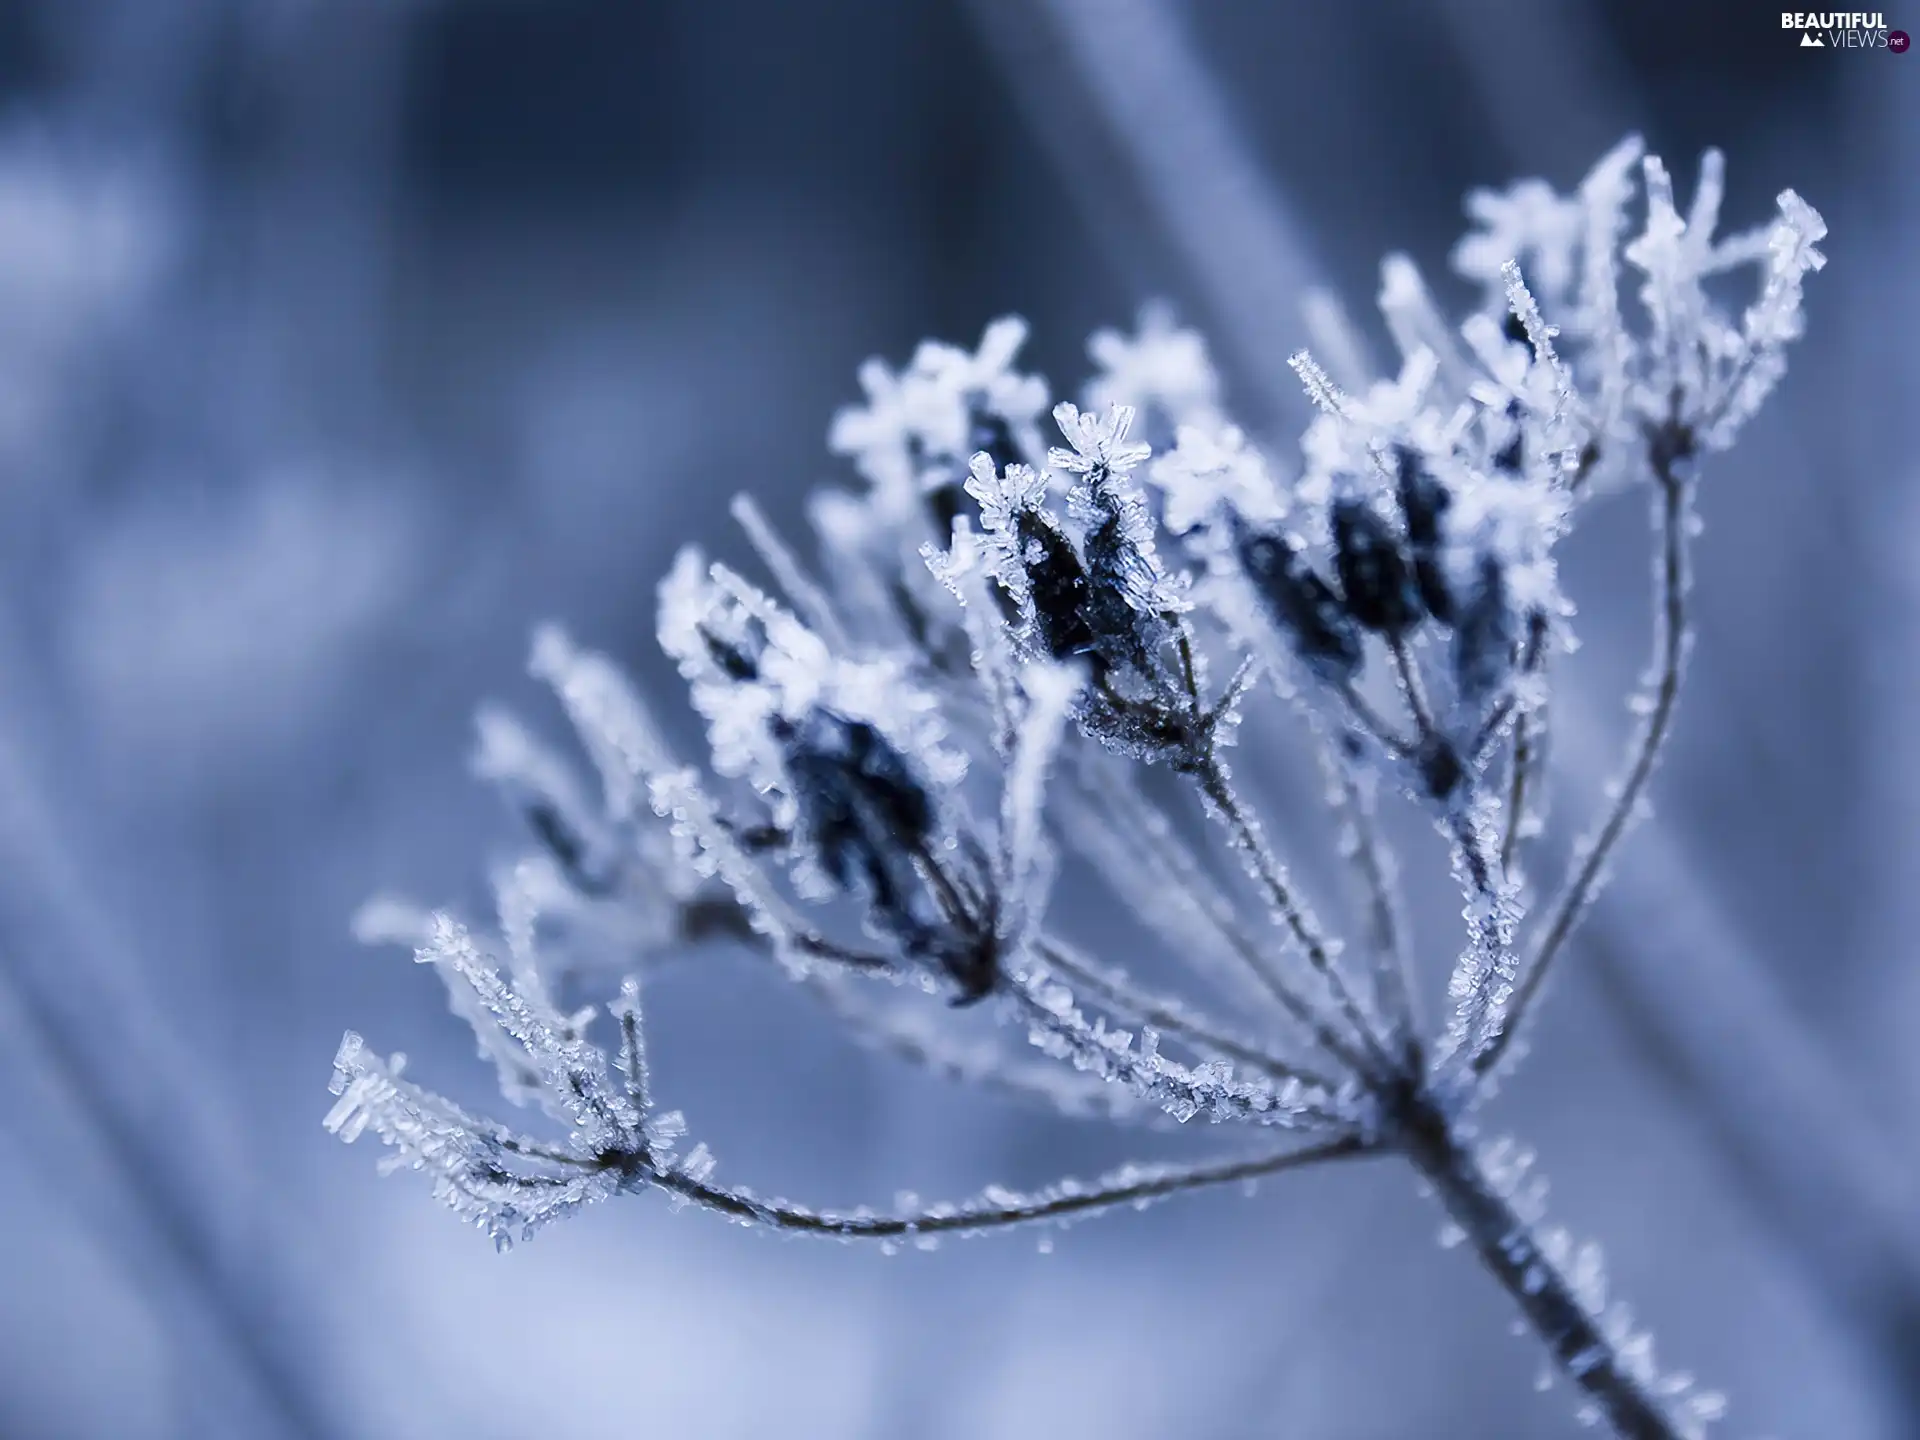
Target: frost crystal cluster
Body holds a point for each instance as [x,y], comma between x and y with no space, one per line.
[1031,609]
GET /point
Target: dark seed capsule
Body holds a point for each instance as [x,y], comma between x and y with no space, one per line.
[1440,768]
[1060,588]
[861,807]
[1589,457]
[1483,637]
[974,967]
[1374,575]
[1431,578]
[1301,604]
[1535,649]
[1424,500]
[946,502]
[1670,447]
[736,660]
[1113,562]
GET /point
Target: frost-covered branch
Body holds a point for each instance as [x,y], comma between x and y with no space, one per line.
[1169,1015]
[1300,927]
[998,1208]
[1352,803]
[1654,704]
[1016,658]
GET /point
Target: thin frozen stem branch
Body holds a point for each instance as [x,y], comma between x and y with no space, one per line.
[1272,878]
[1519,786]
[632,1059]
[1589,1346]
[1135,1186]
[1671,640]
[1373,723]
[1148,865]
[1413,690]
[1113,991]
[1371,864]
[910,1035]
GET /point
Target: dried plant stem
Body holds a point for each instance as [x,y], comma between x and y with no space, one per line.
[1147,847]
[1393,961]
[1272,879]
[1112,991]
[1059,1204]
[1509,1247]
[1519,785]
[1672,636]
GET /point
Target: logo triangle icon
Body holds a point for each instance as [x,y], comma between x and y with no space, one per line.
[1810,42]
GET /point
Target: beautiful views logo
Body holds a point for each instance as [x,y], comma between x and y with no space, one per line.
[1843,30]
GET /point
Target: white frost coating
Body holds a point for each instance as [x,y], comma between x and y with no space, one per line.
[613,724]
[1530,223]
[1024,859]
[1213,473]
[890,779]
[1161,369]
[923,418]
[1096,442]
[1007,499]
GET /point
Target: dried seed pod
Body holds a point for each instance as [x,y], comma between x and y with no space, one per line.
[1424,502]
[1125,635]
[1301,604]
[1059,587]
[1483,637]
[1441,769]
[1374,572]
[861,807]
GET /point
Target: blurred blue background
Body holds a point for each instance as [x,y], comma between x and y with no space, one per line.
[341,341]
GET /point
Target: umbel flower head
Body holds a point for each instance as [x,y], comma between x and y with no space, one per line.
[1011,635]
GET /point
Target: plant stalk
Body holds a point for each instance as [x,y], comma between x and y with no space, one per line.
[1510,1248]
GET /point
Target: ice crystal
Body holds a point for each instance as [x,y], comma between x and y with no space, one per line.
[918,427]
[1161,370]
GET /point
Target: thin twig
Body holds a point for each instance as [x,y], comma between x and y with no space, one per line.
[1375,724]
[1671,639]
[1519,783]
[1414,690]
[1393,963]
[1113,991]
[1147,830]
[1272,878]
[1057,1204]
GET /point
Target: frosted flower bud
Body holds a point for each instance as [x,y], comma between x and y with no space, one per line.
[1424,502]
[1375,576]
[1528,222]
[911,439]
[1061,591]
[1032,558]
[1211,472]
[861,807]
[1099,442]
[1161,370]
[1301,604]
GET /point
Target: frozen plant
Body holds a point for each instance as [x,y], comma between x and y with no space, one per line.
[1014,635]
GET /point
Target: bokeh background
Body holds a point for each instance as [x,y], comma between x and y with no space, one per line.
[341,341]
